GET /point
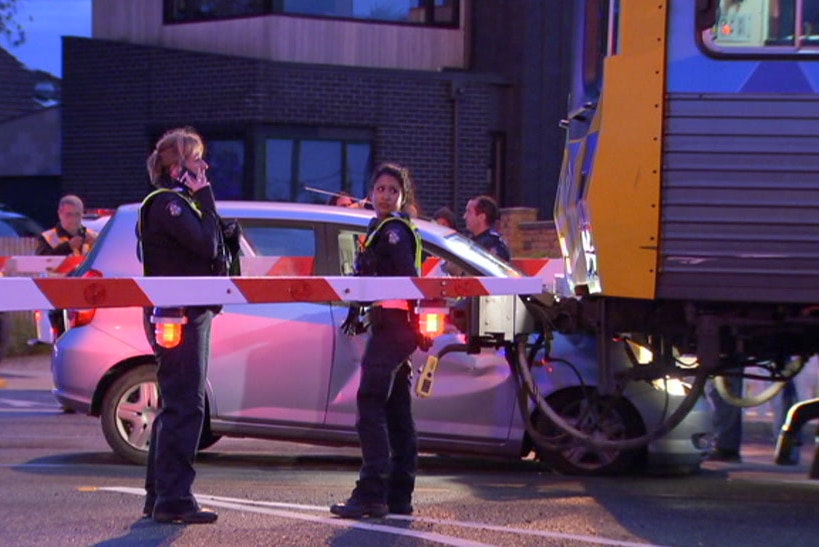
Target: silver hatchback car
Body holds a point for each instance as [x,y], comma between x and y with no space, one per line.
[287,372]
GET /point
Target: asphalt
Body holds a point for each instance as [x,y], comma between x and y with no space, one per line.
[33,372]
[29,372]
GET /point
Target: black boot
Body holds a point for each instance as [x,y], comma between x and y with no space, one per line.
[148,508]
[367,500]
[187,513]
[399,494]
[194,516]
[355,508]
[400,508]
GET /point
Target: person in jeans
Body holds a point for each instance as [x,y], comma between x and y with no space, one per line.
[180,234]
[385,426]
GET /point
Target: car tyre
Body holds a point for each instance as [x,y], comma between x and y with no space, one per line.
[616,419]
[129,408]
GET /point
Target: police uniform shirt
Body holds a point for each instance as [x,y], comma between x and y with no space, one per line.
[176,240]
[392,250]
[493,242]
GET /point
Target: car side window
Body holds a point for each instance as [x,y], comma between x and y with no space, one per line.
[278,250]
[433,261]
[349,242]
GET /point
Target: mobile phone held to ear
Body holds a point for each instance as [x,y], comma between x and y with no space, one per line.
[185,176]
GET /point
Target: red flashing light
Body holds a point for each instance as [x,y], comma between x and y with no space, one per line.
[432,324]
[168,335]
[168,326]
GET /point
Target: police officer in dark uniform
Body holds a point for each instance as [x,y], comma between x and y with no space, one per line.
[180,234]
[481,215]
[386,429]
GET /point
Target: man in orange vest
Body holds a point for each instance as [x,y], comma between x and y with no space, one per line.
[69,236]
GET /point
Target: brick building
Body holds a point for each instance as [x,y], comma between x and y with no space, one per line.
[467,94]
[29,139]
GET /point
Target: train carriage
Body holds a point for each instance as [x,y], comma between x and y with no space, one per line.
[686,206]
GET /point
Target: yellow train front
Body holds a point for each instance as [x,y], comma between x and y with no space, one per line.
[687,203]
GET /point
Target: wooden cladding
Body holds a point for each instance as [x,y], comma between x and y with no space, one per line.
[287,38]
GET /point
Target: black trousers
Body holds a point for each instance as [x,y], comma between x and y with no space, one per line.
[176,430]
[386,429]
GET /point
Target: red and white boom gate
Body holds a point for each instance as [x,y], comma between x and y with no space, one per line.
[22,293]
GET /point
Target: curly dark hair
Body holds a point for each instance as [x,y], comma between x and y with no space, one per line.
[402,175]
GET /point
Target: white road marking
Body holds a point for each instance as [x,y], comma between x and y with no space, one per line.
[19,403]
[361,525]
[18,410]
[22,405]
[258,506]
[24,465]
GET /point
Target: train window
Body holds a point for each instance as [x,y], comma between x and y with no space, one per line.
[774,26]
[595,44]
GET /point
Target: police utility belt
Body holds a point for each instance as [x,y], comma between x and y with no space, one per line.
[390,307]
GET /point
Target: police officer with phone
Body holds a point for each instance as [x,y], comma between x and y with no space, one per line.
[180,234]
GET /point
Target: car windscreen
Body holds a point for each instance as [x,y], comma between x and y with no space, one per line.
[89,259]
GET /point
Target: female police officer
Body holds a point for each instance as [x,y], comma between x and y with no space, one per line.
[385,426]
[180,235]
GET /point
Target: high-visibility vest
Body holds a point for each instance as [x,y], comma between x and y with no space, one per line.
[54,239]
[419,245]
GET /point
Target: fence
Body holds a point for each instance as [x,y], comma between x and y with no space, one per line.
[16,246]
[19,323]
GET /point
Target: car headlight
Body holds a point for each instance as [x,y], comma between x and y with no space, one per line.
[672,386]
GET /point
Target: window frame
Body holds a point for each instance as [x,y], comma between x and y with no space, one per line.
[298,135]
[596,44]
[277,8]
[707,42]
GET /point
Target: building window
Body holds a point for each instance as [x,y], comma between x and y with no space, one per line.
[225,154]
[226,167]
[425,12]
[310,170]
[764,26]
[199,10]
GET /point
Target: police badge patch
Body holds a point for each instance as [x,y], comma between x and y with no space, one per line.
[174,209]
[393,237]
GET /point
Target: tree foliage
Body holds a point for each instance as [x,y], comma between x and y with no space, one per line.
[10,28]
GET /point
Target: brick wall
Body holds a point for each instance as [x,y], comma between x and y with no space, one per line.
[527,236]
[115,95]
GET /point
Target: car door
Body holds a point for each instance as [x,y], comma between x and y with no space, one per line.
[270,362]
[473,395]
[473,398]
